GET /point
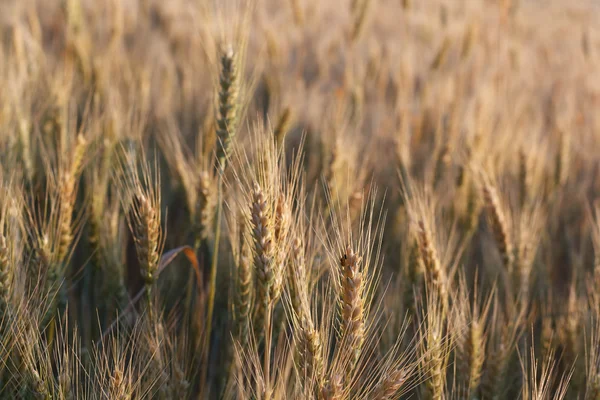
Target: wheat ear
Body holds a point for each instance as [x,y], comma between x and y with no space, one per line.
[332,389]
[391,384]
[263,258]
[148,240]
[228,107]
[67,198]
[244,282]
[433,268]
[499,226]
[352,296]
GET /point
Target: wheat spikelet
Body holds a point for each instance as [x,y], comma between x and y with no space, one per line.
[66,215]
[309,343]
[25,139]
[332,389]
[264,254]
[67,198]
[67,374]
[434,349]
[204,207]
[142,200]
[475,348]
[435,382]
[112,234]
[296,276]
[529,229]
[310,349]
[281,228]
[471,345]
[227,107]
[180,386]
[146,236]
[433,268]
[34,387]
[244,280]
[471,355]
[352,297]
[414,274]
[391,384]
[119,387]
[499,226]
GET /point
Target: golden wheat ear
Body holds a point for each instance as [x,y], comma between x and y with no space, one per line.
[434,346]
[264,254]
[499,225]
[468,328]
[139,183]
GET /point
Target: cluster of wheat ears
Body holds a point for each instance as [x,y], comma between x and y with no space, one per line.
[371,199]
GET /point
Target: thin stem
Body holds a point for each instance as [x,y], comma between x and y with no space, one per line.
[212,283]
[267,359]
[202,247]
[149,302]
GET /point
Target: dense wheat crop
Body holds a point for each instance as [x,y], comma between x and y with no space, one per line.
[299,199]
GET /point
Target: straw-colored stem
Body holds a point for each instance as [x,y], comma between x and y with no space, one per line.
[212,280]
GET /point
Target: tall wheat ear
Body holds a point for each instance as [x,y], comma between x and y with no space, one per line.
[53,233]
[308,336]
[469,318]
[436,248]
[435,346]
[499,224]
[139,183]
[267,187]
[354,248]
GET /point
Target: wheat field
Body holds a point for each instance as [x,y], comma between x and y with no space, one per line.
[299,199]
